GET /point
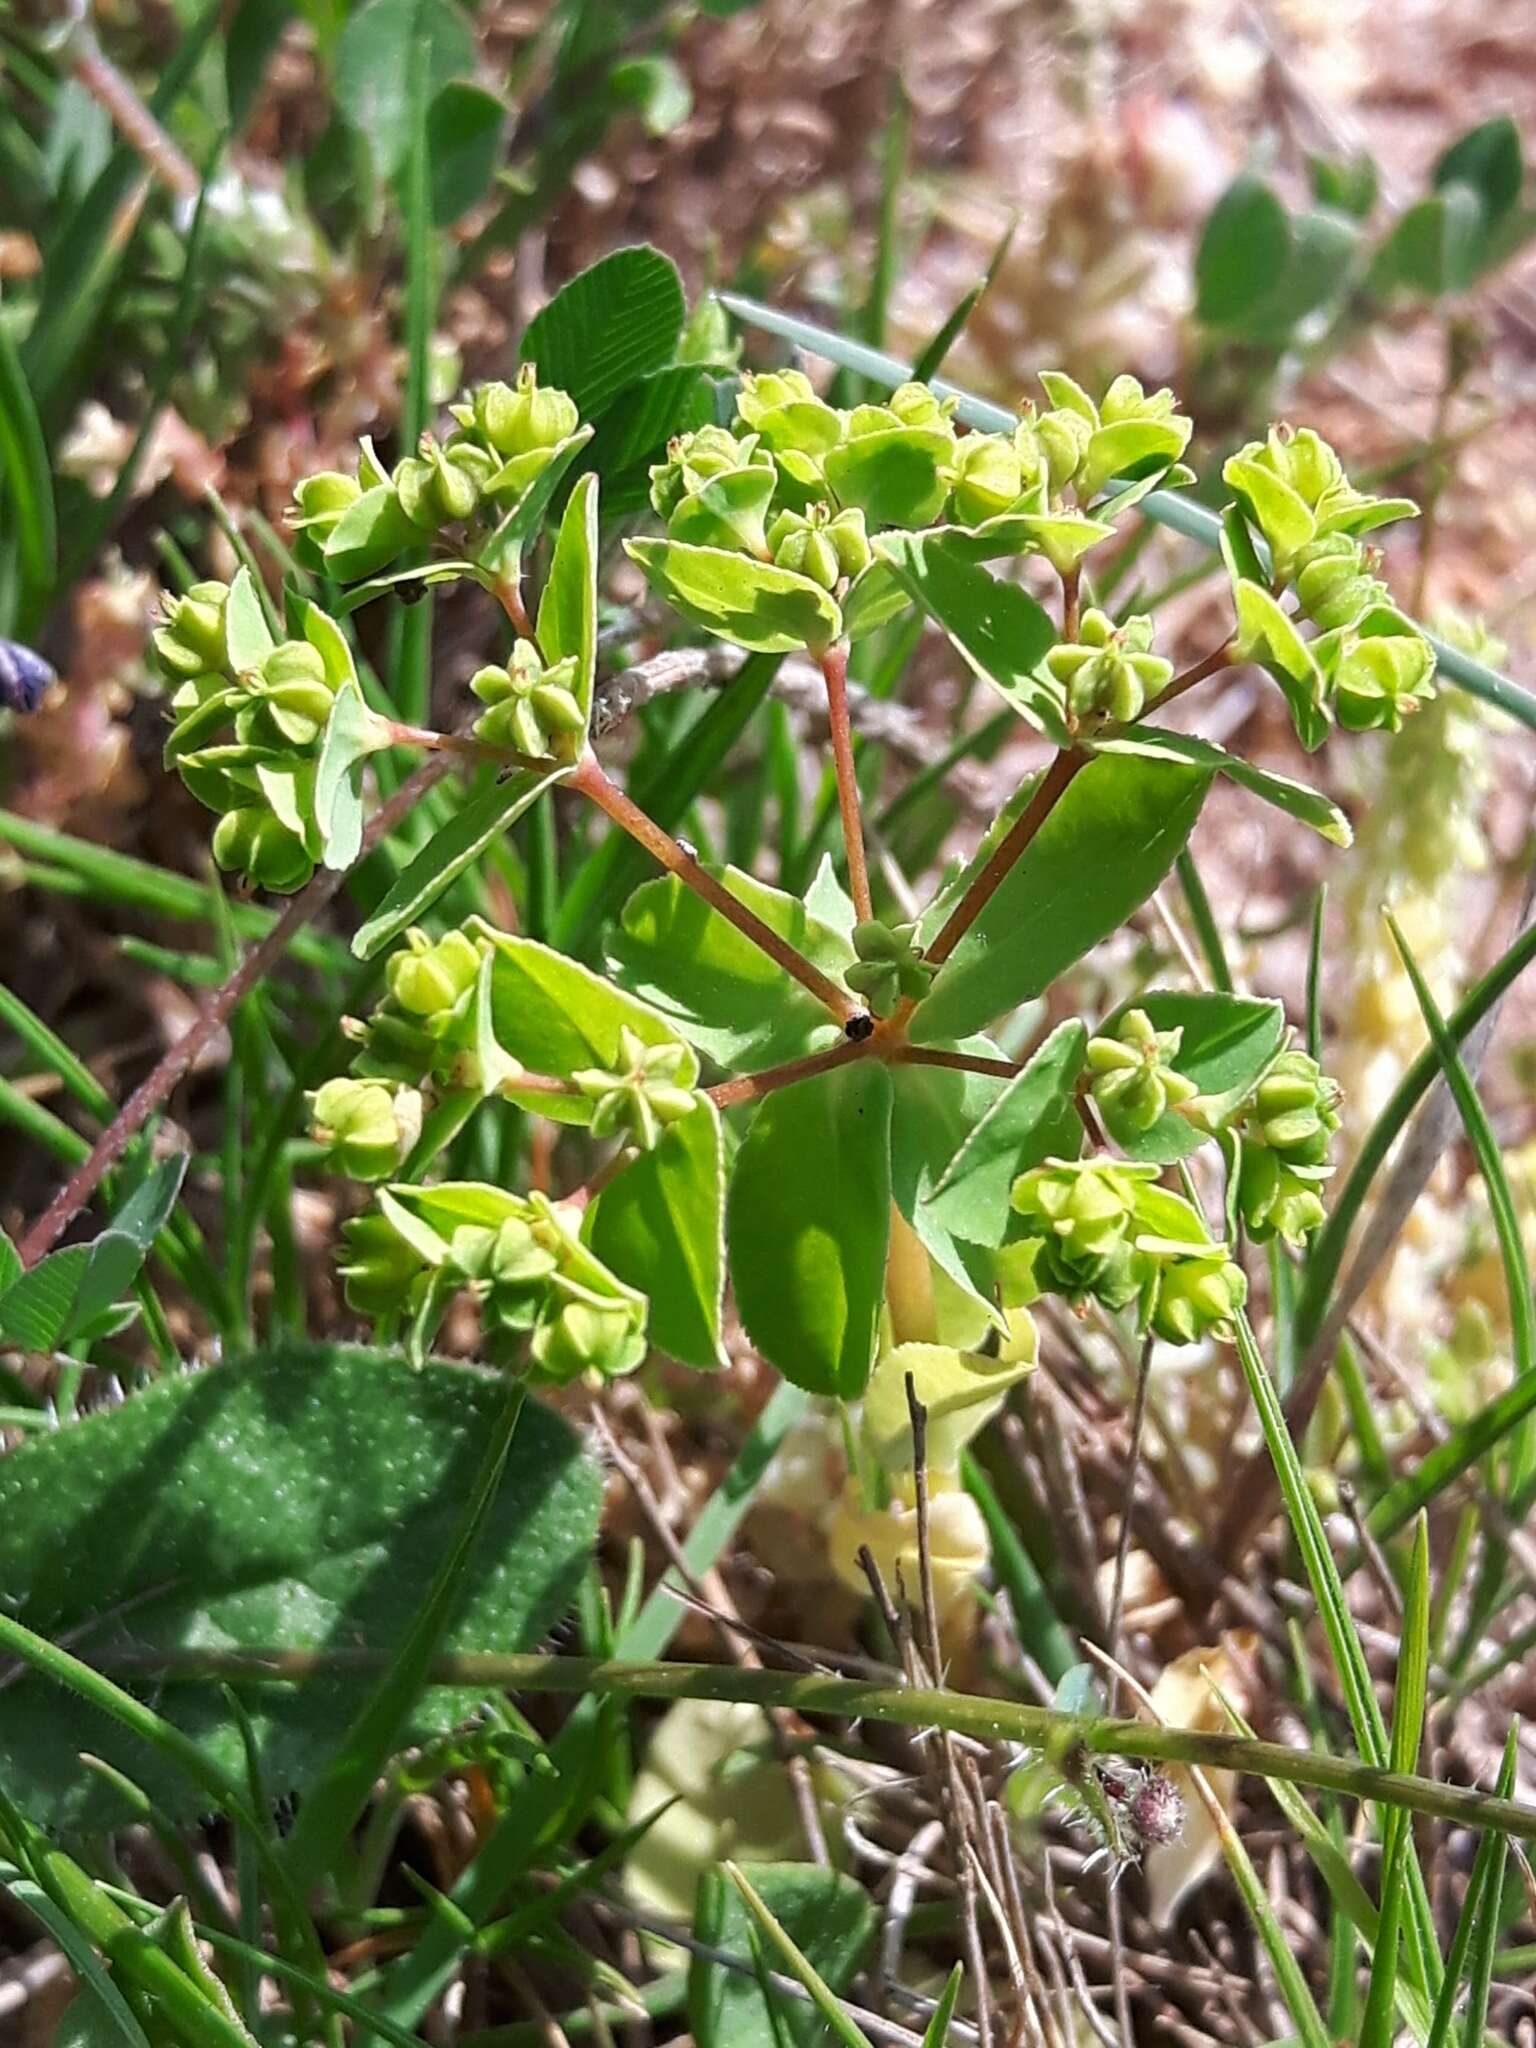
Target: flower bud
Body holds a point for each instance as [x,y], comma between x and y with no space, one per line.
[367,1127]
[650,1087]
[533,710]
[782,408]
[1063,442]
[1377,678]
[1197,1297]
[253,842]
[429,977]
[808,550]
[590,1336]
[1334,583]
[319,502]
[379,1269]
[519,420]
[1082,1213]
[714,490]
[889,966]
[986,477]
[191,642]
[442,486]
[291,693]
[1109,671]
[1135,1080]
[1285,1131]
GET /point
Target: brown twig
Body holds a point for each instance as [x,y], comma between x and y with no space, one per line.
[748,1087]
[1209,665]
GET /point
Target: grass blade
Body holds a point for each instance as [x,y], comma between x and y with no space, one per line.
[24,465]
[800,1966]
[1479,1922]
[1379,2024]
[1501,1200]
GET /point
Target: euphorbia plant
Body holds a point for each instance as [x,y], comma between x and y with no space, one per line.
[800,1090]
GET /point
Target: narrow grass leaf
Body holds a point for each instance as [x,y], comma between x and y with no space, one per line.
[799,1965]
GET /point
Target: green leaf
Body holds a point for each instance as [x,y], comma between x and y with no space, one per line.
[1378,2027]
[1245,247]
[873,599]
[371,532]
[1267,634]
[10,1262]
[1489,159]
[932,1109]
[1298,800]
[502,555]
[722,991]
[656,89]
[756,604]
[558,1017]
[464,124]
[304,1497]
[377,56]
[612,323]
[450,850]
[660,1227]
[894,478]
[352,732]
[1434,247]
[808,1221]
[1478,1928]
[936,2034]
[1099,855]
[1034,1118]
[567,622]
[246,634]
[639,423]
[999,629]
[1229,1044]
[335,1802]
[822,1922]
[66,1291]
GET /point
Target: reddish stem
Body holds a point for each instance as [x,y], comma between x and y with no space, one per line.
[590,781]
[1071,590]
[465,746]
[153,1090]
[834,669]
[1053,786]
[957,1062]
[1210,665]
[748,1087]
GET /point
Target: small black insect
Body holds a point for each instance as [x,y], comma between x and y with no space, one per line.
[24,677]
[859,1026]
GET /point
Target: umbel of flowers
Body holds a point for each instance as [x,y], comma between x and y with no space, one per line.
[801,1094]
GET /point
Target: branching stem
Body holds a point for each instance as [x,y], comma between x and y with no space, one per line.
[592,782]
[748,1087]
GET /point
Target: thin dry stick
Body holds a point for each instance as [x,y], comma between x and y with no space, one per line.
[592,782]
[175,1063]
[834,668]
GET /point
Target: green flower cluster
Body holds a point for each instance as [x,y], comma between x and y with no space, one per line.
[890,965]
[649,1088]
[1369,666]
[1135,1081]
[1109,672]
[367,1127]
[520,1259]
[532,709]
[504,437]
[250,715]
[1284,1134]
[424,1030]
[1103,1230]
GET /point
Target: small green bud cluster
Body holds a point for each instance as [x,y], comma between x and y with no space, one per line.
[1109,672]
[714,490]
[1135,1079]
[1102,1230]
[504,437]
[532,709]
[889,967]
[1285,1132]
[424,1029]
[519,1257]
[367,1127]
[1375,666]
[648,1089]
[1130,433]
[820,543]
[246,740]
